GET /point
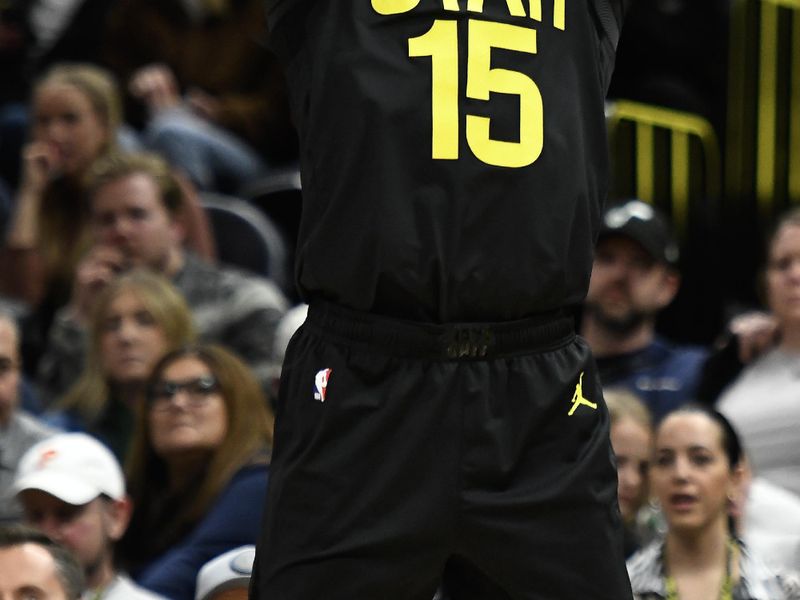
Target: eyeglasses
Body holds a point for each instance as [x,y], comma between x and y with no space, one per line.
[162,394]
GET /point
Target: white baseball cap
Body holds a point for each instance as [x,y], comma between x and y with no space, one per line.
[74,467]
[225,572]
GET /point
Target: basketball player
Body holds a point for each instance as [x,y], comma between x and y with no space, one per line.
[437,404]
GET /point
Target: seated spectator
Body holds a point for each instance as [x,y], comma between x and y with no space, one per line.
[72,488]
[761,398]
[198,468]
[634,277]
[696,474]
[30,399]
[632,442]
[76,113]
[39,34]
[208,93]
[18,430]
[133,203]
[137,319]
[227,577]
[33,566]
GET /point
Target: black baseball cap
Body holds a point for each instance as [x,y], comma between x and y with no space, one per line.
[644,224]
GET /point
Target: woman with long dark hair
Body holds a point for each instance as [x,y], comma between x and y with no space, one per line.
[696,476]
[198,468]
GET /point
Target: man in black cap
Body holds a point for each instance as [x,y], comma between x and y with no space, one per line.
[634,277]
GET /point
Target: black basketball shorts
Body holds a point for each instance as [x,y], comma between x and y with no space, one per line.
[400,446]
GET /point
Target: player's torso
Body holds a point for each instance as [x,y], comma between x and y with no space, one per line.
[454,153]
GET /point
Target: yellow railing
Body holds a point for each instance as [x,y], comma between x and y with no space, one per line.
[666,180]
[763,130]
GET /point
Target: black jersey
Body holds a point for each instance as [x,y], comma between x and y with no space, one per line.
[454,157]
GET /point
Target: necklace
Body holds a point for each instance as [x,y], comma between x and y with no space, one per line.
[725,592]
[102,592]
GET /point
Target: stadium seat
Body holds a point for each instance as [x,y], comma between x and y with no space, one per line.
[278,196]
[246,238]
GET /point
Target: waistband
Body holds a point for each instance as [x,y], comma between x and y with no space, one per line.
[446,342]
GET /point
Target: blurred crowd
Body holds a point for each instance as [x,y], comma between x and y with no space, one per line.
[139,372]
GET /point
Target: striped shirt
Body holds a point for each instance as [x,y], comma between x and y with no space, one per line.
[756,581]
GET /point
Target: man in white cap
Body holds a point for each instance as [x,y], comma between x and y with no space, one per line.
[71,487]
[226,577]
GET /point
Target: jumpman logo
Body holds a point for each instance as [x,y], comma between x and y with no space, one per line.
[578,399]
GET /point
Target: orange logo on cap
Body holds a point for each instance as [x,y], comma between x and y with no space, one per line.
[46,457]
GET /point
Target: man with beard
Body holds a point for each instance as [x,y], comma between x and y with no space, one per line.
[133,202]
[634,277]
[73,490]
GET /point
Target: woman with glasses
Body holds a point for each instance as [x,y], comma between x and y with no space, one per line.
[137,319]
[696,475]
[198,467]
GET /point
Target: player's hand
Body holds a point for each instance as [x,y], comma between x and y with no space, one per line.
[156,86]
[756,331]
[99,267]
[202,104]
[41,162]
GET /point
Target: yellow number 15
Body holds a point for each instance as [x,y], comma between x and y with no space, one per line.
[440,42]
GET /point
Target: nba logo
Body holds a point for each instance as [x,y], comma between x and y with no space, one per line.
[321,384]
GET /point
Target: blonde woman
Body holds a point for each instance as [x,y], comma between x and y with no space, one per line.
[632,441]
[75,114]
[137,319]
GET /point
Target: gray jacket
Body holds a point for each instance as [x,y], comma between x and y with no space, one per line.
[22,432]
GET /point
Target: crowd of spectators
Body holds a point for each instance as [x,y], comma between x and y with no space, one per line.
[651,381]
[138,375]
[124,343]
